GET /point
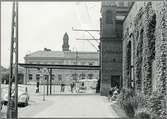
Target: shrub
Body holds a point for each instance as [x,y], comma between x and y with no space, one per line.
[126,101]
[139,105]
[142,113]
[156,104]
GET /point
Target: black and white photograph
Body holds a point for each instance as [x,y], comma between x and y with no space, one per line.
[83,59]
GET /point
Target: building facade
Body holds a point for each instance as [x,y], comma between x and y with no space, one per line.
[144,53]
[64,57]
[113,14]
[144,47]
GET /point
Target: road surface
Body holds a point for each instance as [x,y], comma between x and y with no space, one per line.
[66,106]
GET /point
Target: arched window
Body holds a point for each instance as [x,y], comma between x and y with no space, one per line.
[109,17]
[151,57]
[129,65]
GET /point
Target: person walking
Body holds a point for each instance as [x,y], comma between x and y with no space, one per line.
[72,87]
[62,87]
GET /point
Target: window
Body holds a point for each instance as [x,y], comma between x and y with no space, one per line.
[109,17]
[30,76]
[53,76]
[37,77]
[116,81]
[59,77]
[74,76]
[82,76]
[90,76]
[46,77]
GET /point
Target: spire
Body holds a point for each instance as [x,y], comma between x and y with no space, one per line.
[65,45]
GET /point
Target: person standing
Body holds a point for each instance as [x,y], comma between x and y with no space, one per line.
[110,94]
[37,86]
[62,87]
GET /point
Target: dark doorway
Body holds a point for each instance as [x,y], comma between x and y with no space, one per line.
[116,81]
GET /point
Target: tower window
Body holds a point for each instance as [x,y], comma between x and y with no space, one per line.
[109,17]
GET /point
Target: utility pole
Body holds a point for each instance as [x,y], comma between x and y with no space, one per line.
[12,109]
[0,63]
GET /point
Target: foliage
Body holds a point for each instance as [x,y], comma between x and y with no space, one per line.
[127,102]
[139,105]
[144,113]
[156,104]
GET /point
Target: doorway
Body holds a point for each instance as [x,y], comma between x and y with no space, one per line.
[116,81]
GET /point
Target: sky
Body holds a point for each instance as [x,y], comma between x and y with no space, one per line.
[43,24]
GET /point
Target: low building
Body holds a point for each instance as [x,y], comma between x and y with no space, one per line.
[64,57]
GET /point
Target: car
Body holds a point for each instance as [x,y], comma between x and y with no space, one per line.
[23,96]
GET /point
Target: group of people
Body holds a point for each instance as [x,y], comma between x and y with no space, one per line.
[73,86]
[113,93]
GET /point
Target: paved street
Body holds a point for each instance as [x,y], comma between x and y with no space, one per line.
[66,106]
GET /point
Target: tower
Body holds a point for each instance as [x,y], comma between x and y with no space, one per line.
[65,45]
[111,27]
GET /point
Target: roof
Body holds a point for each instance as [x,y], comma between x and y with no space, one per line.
[46,54]
[63,55]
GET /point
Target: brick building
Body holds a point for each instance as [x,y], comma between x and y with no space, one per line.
[135,49]
[111,26]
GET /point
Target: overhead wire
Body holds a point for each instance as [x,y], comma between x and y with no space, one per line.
[80,22]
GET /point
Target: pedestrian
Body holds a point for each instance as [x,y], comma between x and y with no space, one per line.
[110,94]
[77,87]
[72,86]
[64,87]
[61,90]
[37,87]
